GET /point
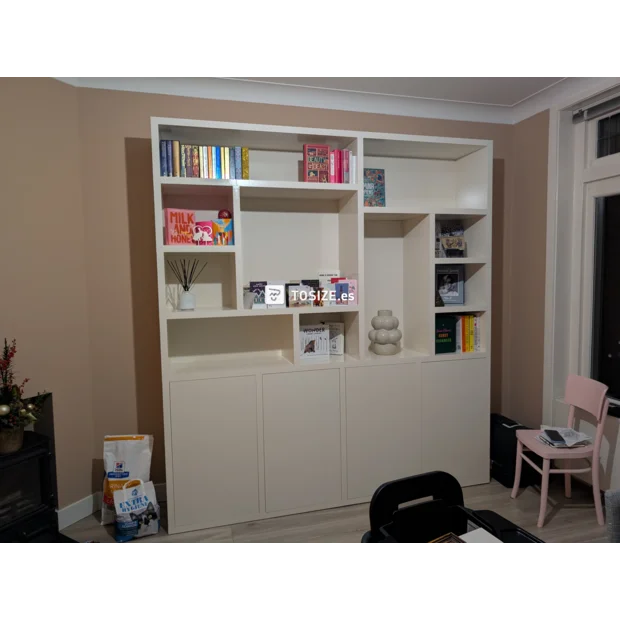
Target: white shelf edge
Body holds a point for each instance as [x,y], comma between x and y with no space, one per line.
[199,249]
[252,183]
[454,309]
[386,211]
[206,313]
[474,260]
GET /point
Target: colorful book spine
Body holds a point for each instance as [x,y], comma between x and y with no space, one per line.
[232,169]
[470,348]
[332,166]
[163,156]
[226,174]
[189,168]
[218,162]
[176,159]
[201,159]
[210,156]
[168,158]
[464,333]
[477,334]
[196,161]
[245,163]
[337,165]
[238,164]
[183,161]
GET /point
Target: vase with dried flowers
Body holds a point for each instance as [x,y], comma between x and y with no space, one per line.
[186,272]
[15,411]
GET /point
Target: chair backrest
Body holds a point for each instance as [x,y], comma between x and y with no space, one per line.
[589,396]
[386,499]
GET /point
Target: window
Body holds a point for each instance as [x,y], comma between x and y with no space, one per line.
[608,136]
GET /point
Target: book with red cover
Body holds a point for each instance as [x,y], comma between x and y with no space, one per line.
[338,166]
[332,166]
[316,163]
[345,166]
[180,225]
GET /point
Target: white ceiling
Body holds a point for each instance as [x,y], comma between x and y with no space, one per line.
[490,100]
[502,91]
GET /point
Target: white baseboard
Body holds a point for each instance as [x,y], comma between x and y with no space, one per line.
[91,503]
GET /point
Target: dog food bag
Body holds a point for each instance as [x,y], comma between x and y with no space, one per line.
[126,459]
[137,511]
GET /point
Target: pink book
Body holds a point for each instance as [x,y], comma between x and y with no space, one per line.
[352,291]
[332,166]
[345,166]
[338,166]
[180,224]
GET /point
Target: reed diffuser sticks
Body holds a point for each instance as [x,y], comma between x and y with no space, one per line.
[186,271]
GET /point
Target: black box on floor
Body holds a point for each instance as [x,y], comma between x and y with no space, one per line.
[504,453]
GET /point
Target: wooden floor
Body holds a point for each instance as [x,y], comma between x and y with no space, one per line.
[568,520]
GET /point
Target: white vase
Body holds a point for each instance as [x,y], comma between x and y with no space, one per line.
[187,301]
[385,337]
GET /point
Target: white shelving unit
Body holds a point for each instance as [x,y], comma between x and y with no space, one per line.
[245,438]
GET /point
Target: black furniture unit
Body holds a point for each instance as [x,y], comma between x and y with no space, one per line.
[444,512]
[28,494]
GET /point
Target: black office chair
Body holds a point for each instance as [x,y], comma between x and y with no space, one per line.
[444,512]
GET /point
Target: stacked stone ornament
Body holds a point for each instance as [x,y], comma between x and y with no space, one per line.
[385,337]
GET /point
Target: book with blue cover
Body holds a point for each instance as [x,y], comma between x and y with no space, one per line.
[163,158]
[218,162]
[232,168]
[374,187]
[238,162]
[169,158]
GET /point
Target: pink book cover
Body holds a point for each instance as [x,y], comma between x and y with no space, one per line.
[352,291]
[338,165]
[316,163]
[332,166]
[345,167]
[179,225]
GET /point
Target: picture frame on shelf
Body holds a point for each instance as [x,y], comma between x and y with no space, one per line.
[450,283]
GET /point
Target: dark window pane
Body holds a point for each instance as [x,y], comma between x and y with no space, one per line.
[608,141]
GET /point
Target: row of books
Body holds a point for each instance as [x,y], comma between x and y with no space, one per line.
[204,162]
[325,165]
[328,289]
[458,333]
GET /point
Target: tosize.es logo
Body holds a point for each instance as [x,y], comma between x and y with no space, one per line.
[322,295]
[274,294]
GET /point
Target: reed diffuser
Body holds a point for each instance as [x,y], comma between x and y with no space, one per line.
[187,273]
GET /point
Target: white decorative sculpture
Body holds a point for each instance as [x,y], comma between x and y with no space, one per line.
[385,337]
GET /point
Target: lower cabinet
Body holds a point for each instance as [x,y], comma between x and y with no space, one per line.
[455,422]
[383,426]
[301,426]
[214,450]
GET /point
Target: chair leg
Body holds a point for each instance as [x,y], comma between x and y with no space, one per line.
[596,489]
[515,486]
[567,486]
[544,491]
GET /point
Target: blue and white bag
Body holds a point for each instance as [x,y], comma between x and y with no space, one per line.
[137,511]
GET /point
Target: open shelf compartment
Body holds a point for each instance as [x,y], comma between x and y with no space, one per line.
[229,343]
[398,277]
[273,155]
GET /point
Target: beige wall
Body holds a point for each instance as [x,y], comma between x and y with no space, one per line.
[525,250]
[42,270]
[115,249]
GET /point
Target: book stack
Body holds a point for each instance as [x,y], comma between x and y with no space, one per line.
[204,162]
[458,333]
[325,165]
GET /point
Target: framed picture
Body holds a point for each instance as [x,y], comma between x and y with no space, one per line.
[450,283]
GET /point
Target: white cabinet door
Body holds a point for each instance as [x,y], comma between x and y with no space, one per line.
[301,420]
[456,418]
[383,426]
[214,451]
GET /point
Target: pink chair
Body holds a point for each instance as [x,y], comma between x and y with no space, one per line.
[587,395]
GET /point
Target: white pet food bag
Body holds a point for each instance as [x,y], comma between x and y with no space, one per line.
[137,512]
[127,461]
